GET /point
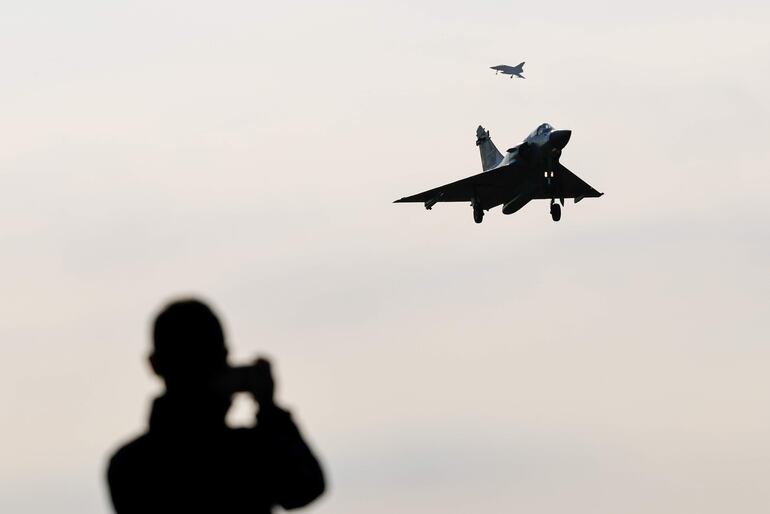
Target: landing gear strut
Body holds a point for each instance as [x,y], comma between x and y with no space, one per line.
[478,214]
[555,211]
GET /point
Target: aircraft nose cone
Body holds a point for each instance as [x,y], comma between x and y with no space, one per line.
[560,138]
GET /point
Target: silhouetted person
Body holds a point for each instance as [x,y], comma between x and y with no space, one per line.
[190,460]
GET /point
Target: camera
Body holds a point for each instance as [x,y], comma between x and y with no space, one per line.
[256,379]
[237,379]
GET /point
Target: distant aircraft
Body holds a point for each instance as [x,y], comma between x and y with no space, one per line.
[510,70]
[529,171]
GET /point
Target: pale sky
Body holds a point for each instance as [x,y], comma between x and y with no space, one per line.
[615,362]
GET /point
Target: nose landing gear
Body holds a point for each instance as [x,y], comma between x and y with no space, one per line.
[555,211]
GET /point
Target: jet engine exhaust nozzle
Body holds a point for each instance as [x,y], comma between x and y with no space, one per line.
[559,138]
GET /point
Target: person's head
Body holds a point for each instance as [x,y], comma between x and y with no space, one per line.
[188,345]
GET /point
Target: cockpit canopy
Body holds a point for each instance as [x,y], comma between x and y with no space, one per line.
[543,129]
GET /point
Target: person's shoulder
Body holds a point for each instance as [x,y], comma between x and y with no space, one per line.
[129,453]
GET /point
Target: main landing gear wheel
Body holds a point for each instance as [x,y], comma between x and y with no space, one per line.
[555,211]
[478,215]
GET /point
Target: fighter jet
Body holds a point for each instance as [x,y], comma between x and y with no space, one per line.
[510,70]
[529,171]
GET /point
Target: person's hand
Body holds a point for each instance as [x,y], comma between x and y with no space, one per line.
[260,383]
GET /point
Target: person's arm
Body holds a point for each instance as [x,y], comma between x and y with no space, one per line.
[296,475]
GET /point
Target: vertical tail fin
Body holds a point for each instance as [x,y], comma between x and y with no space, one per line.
[490,155]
